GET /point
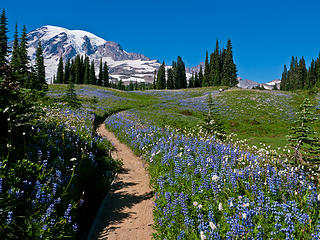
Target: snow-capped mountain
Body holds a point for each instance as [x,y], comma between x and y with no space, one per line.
[58,41]
[245,83]
[272,83]
[195,69]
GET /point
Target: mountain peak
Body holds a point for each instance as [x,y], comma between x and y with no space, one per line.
[61,42]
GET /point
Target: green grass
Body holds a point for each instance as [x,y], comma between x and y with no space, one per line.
[260,117]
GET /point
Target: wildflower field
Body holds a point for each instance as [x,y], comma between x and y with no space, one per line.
[241,188]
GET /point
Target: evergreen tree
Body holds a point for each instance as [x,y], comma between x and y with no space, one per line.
[41,83]
[292,75]
[3,40]
[92,74]
[206,75]
[24,59]
[283,83]
[181,78]
[15,65]
[191,81]
[301,74]
[136,85]
[131,86]
[66,76]
[154,85]
[170,81]
[201,77]
[60,71]
[317,70]
[86,71]
[71,96]
[174,74]
[106,82]
[100,78]
[215,66]
[303,138]
[229,71]
[275,87]
[311,76]
[213,123]
[197,82]
[77,70]
[161,77]
[120,85]
[81,69]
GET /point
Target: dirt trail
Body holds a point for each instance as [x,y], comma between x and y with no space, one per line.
[126,213]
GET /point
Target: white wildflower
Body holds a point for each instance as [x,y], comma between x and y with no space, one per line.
[244,215]
[319,197]
[73,159]
[215,178]
[202,236]
[212,225]
[195,203]
[220,207]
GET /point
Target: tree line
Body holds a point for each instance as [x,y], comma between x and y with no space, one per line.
[176,76]
[19,67]
[299,77]
[219,70]
[80,71]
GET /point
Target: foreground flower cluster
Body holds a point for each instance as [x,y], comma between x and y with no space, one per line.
[207,190]
[43,194]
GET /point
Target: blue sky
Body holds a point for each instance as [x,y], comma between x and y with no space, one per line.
[265,34]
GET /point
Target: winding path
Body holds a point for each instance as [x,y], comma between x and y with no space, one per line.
[126,212]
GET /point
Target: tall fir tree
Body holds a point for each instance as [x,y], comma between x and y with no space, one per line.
[196,80]
[201,76]
[170,80]
[77,70]
[191,81]
[161,77]
[181,78]
[60,74]
[154,85]
[206,76]
[92,74]
[215,66]
[71,95]
[283,83]
[100,78]
[81,69]
[4,51]
[303,138]
[292,74]
[24,60]
[301,74]
[66,75]
[40,83]
[229,71]
[311,76]
[15,65]
[86,71]
[106,81]
[174,74]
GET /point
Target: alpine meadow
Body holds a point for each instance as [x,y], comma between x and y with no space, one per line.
[97,142]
